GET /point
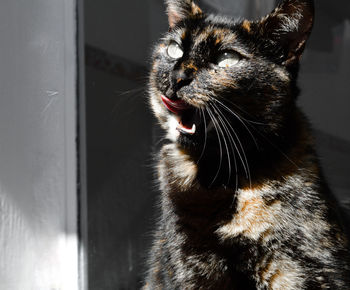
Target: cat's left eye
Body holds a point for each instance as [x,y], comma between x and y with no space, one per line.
[228,59]
[175,51]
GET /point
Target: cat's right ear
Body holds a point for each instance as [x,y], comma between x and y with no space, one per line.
[179,10]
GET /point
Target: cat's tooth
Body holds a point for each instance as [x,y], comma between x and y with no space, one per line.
[188,131]
[193,130]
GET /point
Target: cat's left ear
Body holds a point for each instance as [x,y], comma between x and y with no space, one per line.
[289,27]
[179,10]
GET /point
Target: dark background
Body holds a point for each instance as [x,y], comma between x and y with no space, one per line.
[121,133]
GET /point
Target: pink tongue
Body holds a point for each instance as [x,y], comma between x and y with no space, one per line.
[175,106]
[178,107]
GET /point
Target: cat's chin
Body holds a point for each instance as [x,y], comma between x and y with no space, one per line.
[191,144]
[187,142]
[189,136]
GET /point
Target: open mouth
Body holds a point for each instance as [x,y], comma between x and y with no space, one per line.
[184,113]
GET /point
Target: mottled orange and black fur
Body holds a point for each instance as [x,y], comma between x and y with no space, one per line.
[244,204]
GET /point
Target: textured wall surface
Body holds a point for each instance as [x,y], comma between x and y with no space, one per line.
[38,240]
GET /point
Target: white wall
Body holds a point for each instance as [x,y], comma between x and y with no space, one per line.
[38,232]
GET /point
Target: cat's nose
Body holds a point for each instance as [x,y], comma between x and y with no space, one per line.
[181,78]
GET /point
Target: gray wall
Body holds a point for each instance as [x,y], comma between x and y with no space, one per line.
[38,214]
[119,141]
[324,78]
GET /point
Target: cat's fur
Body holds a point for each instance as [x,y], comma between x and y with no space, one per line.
[244,203]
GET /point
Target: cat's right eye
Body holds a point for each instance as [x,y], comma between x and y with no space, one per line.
[228,59]
[174,50]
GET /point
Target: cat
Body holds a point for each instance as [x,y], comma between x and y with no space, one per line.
[244,204]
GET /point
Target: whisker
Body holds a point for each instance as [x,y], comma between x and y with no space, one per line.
[276,147]
[122,97]
[238,151]
[217,133]
[205,134]
[244,160]
[245,112]
[238,107]
[227,151]
[239,118]
[259,132]
[124,93]
[233,146]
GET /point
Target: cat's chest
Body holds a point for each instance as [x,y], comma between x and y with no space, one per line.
[203,270]
[254,218]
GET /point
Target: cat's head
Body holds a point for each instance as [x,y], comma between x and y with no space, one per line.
[213,79]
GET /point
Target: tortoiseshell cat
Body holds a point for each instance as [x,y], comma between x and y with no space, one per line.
[244,203]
